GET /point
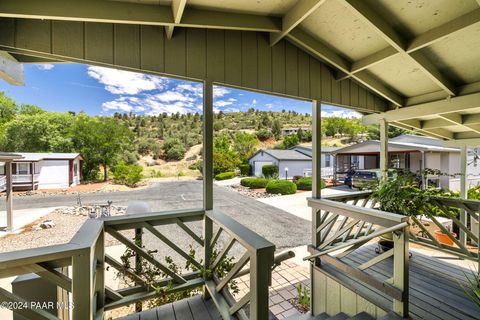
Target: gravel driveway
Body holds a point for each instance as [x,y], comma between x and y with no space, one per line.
[283,229]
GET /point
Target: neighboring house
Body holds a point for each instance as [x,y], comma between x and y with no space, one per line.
[327,158]
[289,131]
[298,161]
[411,152]
[45,171]
[290,162]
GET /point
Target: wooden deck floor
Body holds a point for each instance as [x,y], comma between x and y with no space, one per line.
[435,277]
[194,308]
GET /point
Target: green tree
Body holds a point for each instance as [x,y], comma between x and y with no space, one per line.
[244,145]
[277,129]
[101,141]
[30,109]
[8,108]
[373,132]
[41,132]
[290,141]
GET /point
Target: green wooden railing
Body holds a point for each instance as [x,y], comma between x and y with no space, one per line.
[85,254]
[343,224]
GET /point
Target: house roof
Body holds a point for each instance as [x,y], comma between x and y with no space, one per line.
[324,149]
[4,156]
[30,156]
[397,144]
[291,155]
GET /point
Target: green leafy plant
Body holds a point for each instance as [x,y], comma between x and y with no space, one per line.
[155,174]
[225,176]
[254,183]
[305,183]
[281,187]
[270,171]
[245,169]
[129,175]
[152,275]
[473,287]
[303,296]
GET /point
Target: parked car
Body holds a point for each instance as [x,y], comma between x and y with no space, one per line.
[363,178]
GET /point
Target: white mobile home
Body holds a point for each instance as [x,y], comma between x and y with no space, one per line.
[45,171]
[414,153]
[290,163]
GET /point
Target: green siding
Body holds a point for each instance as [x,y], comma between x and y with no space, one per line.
[236,58]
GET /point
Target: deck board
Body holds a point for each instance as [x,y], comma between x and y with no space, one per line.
[435,291]
[194,308]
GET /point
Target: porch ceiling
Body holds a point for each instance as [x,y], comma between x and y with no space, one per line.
[407,52]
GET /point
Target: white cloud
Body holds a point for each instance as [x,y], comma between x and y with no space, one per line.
[125,82]
[169,96]
[222,103]
[341,114]
[45,66]
[219,92]
[117,105]
[254,101]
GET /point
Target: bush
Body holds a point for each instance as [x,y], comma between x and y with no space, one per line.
[176,152]
[254,183]
[245,169]
[225,176]
[270,171]
[281,187]
[224,162]
[264,134]
[129,175]
[305,183]
[474,193]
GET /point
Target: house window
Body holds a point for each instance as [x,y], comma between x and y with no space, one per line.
[2,169]
[327,160]
[355,161]
[23,168]
[75,169]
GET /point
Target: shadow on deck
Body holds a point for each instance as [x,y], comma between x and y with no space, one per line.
[435,283]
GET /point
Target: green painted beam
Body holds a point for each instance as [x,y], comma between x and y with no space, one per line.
[134,13]
[178,6]
[325,53]
[294,17]
[385,30]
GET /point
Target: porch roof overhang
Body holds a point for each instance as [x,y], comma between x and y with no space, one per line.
[6,156]
[397,50]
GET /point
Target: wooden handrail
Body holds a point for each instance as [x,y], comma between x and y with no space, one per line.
[378,217]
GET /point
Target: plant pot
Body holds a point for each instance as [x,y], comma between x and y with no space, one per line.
[443,238]
[386,242]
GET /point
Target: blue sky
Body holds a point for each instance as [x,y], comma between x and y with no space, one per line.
[103,91]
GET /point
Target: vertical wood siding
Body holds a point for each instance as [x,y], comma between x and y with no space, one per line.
[235,58]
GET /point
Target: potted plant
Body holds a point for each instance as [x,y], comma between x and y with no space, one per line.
[399,194]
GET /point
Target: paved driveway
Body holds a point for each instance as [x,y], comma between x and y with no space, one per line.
[283,229]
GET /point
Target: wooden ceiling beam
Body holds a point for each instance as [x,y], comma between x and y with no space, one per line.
[178,6]
[383,28]
[325,53]
[135,13]
[295,16]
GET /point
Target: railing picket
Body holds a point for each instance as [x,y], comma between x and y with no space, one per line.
[231,274]
[401,270]
[222,253]
[189,231]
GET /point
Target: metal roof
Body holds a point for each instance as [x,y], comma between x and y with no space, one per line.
[30,156]
[393,147]
[291,155]
[4,156]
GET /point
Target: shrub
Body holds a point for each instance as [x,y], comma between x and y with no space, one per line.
[245,169]
[224,162]
[254,183]
[281,187]
[474,193]
[305,183]
[225,176]
[129,175]
[290,141]
[264,134]
[270,170]
[176,152]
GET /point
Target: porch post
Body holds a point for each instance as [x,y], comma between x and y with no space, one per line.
[463,190]
[384,149]
[208,145]
[316,188]
[9,195]
[207,171]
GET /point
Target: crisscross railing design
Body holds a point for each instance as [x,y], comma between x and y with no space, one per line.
[463,231]
[85,254]
[343,224]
